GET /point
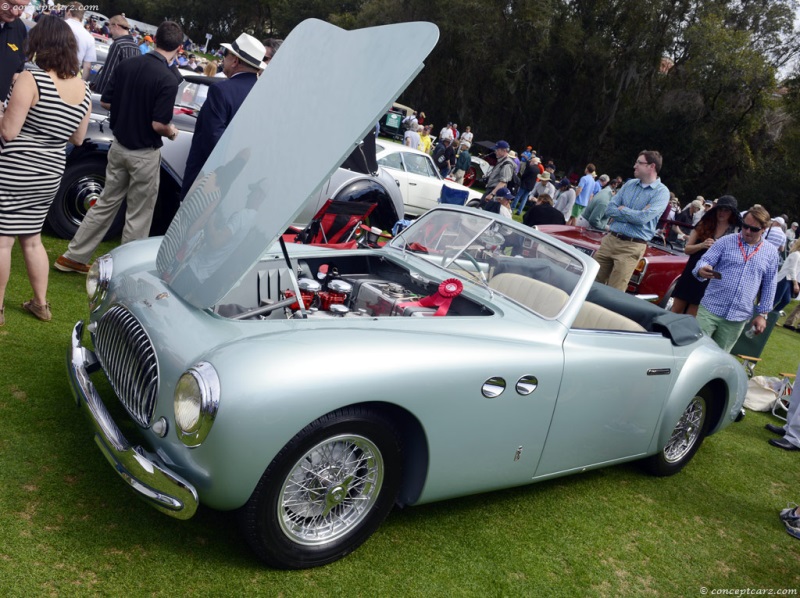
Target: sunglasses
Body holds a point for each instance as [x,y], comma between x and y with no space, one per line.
[752,229]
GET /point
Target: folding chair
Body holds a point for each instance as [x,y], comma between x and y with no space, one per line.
[784,396]
[749,349]
[335,225]
[452,196]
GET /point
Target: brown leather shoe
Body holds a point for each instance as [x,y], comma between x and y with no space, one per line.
[40,311]
[64,264]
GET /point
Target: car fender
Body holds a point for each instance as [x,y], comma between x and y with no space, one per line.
[386,215]
[92,146]
[269,383]
[704,365]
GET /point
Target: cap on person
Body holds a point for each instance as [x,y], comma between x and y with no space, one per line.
[147,38]
[604,178]
[504,193]
[249,50]
[779,220]
[794,225]
[503,145]
[565,183]
[120,22]
[727,201]
[545,176]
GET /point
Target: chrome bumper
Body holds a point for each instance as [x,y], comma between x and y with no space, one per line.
[143,471]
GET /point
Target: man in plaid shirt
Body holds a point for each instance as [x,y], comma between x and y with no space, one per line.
[737,267]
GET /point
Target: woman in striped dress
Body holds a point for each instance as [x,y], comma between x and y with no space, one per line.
[47,107]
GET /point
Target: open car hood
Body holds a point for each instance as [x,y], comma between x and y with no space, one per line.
[320,96]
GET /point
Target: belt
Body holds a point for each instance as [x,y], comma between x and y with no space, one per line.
[630,239]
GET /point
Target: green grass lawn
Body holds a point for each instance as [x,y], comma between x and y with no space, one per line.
[69,526]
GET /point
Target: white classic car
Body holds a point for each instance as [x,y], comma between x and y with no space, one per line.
[418,178]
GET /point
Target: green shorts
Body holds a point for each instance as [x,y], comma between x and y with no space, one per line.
[577,210]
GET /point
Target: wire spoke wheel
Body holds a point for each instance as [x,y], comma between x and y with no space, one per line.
[330,489]
[687,431]
[326,491]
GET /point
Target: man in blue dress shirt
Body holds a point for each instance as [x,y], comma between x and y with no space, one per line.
[634,212]
[737,267]
[242,62]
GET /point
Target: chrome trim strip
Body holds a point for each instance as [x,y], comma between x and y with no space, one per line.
[659,372]
[105,266]
[142,471]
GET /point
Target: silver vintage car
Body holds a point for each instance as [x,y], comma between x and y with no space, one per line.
[313,389]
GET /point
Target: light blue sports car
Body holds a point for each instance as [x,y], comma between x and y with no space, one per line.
[313,389]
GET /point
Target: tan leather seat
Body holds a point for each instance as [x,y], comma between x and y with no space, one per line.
[541,297]
[548,300]
[597,317]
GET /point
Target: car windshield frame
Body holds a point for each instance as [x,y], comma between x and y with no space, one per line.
[430,169]
[476,247]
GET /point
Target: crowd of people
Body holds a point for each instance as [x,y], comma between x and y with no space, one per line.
[49,105]
[732,278]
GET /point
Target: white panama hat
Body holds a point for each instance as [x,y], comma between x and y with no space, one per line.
[249,50]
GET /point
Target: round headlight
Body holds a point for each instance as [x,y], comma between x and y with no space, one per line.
[97,280]
[196,403]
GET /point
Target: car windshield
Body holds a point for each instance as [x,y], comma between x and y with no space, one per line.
[191,94]
[486,251]
[420,164]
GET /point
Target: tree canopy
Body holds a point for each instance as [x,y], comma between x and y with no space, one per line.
[586,80]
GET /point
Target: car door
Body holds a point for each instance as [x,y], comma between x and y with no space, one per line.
[424,182]
[393,164]
[491,419]
[614,387]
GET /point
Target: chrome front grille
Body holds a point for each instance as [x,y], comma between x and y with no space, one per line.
[129,361]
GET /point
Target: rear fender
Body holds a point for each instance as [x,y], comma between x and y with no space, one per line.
[705,367]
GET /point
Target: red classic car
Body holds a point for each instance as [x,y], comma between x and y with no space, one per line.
[655,274]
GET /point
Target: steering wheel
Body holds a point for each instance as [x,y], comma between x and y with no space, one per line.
[491,239]
[478,274]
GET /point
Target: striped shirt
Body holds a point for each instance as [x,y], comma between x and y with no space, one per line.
[32,164]
[636,208]
[745,269]
[122,48]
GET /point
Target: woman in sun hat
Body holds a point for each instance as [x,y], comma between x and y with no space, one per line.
[720,220]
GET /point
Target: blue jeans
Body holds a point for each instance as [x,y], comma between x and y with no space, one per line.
[783,294]
[522,196]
